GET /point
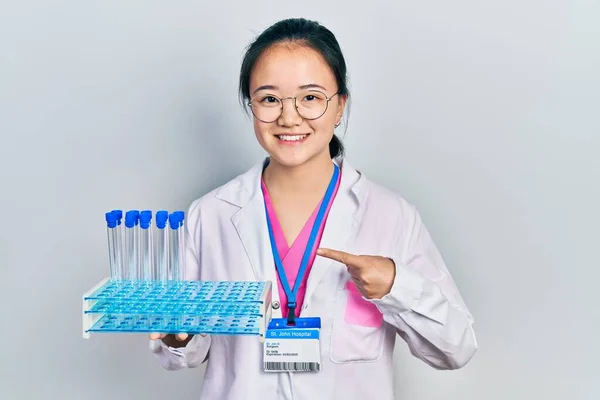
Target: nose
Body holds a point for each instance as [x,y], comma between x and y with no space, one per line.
[289,115]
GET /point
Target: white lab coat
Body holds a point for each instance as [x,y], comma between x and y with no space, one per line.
[228,240]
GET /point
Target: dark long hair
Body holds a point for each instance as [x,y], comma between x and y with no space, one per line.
[310,34]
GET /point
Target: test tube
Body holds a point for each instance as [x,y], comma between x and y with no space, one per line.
[111,226]
[181,240]
[174,251]
[118,214]
[131,243]
[161,264]
[145,253]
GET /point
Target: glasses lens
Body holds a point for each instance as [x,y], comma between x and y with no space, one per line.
[266,107]
[311,104]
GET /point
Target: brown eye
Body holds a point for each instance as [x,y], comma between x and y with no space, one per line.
[269,99]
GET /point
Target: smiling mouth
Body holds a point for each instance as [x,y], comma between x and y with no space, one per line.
[291,138]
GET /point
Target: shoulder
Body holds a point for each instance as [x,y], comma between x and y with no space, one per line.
[392,208]
[229,196]
[382,198]
[385,214]
[389,213]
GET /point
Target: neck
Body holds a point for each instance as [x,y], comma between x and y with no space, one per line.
[307,178]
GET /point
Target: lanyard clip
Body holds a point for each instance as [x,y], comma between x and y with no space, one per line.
[291,319]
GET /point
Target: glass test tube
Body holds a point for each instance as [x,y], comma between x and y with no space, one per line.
[111,226]
[118,214]
[145,249]
[174,251]
[161,264]
[181,240]
[131,244]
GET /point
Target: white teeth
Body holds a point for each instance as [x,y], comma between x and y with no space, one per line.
[291,138]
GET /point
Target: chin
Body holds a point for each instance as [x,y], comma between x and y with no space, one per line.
[288,160]
[297,158]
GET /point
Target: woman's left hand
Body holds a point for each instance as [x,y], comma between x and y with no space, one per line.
[373,275]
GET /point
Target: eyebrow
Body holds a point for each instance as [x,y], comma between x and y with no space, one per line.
[303,87]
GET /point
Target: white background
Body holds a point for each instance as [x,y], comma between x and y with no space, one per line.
[485,114]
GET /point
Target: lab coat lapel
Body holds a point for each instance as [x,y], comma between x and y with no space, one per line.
[341,224]
[250,225]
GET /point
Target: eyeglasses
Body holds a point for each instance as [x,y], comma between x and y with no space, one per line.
[310,104]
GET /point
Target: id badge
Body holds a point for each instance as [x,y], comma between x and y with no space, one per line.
[292,348]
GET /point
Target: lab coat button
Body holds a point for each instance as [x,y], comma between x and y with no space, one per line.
[275,304]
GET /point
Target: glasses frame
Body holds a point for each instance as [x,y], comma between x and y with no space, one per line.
[295,98]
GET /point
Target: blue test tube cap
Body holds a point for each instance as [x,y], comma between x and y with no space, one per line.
[118,215]
[131,218]
[111,220]
[180,217]
[173,221]
[161,219]
[145,218]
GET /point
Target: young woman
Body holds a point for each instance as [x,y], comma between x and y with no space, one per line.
[372,274]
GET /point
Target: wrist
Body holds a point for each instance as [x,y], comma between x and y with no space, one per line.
[391,278]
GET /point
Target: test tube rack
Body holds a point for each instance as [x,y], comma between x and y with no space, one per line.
[193,307]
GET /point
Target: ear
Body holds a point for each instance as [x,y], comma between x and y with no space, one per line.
[341,105]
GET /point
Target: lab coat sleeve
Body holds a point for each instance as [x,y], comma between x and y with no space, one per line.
[197,349]
[424,304]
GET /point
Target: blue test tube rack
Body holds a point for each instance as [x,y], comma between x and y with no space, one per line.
[122,303]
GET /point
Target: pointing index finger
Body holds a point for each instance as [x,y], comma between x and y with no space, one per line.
[341,256]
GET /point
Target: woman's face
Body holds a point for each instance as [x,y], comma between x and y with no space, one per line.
[291,71]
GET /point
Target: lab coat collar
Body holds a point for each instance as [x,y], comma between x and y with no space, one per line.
[246,187]
[250,222]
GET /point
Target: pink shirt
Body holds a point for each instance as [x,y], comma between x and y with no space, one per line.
[292,256]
